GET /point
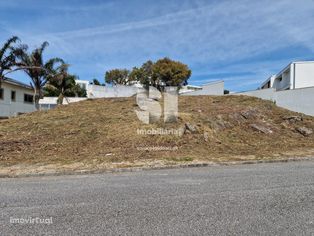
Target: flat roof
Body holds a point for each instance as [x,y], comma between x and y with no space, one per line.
[283,70]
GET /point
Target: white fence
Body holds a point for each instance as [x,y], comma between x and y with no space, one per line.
[96,91]
[214,88]
[51,102]
[299,100]
[15,108]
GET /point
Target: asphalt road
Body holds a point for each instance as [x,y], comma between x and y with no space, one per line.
[259,199]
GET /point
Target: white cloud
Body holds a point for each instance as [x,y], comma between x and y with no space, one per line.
[207,37]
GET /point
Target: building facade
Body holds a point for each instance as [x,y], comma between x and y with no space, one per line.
[294,76]
[213,88]
[292,88]
[15,98]
[98,91]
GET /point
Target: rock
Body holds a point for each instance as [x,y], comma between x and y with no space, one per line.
[206,136]
[181,131]
[261,129]
[218,141]
[293,119]
[190,127]
[250,113]
[304,131]
[237,118]
[285,125]
[219,124]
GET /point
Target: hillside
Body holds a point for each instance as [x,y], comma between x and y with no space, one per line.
[98,133]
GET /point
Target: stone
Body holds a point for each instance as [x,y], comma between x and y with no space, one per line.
[261,129]
[293,119]
[182,131]
[206,136]
[304,131]
[249,114]
[190,127]
[237,118]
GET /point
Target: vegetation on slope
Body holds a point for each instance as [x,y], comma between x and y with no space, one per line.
[102,131]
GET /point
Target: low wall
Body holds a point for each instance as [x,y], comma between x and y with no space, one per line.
[51,102]
[267,94]
[215,88]
[96,91]
[15,108]
[298,100]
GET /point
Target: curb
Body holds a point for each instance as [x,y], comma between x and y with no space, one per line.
[137,169]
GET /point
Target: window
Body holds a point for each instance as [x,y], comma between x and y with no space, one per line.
[28,98]
[1,93]
[13,96]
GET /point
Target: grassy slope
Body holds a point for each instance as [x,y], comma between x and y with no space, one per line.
[105,131]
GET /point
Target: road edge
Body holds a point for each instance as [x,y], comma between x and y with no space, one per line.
[136,169]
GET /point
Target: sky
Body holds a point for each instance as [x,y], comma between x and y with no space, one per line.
[241,42]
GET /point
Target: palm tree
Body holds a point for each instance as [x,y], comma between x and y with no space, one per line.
[61,83]
[38,71]
[7,57]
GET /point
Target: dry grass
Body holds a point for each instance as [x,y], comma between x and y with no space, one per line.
[102,132]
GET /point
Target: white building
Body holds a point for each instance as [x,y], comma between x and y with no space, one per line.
[83,84]
[48,103]
[189,88]
[98,91]
[213,88]
[15,98]
[92,91]
[294,76]
[292,88]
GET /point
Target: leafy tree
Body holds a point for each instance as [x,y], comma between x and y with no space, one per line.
[96,82]
[7,57]
[167,72]
[77,91]
[117,76]
[39,71]
[61,84]
[144,74]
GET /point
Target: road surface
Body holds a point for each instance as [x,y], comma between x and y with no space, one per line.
[257,199]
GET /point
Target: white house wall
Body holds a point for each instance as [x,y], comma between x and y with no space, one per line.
[216,88]
[266,94]
[96,91]
[48,103]
[298,100]
[285,82]
[10,108]
[304,74]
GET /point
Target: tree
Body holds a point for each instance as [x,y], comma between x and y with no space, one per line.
[96,82]
[77,91]
[61,84]
[144,74]
[34,66]
[167,72]
[7,57]
[117,76]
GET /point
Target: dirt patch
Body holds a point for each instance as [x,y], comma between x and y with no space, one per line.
[102,132]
